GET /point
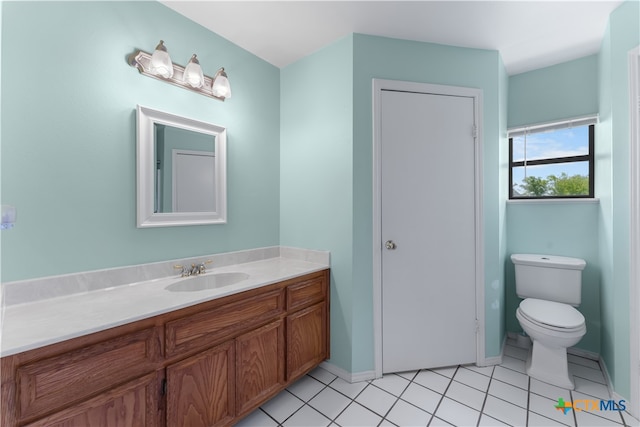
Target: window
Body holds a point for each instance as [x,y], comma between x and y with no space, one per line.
[552,161]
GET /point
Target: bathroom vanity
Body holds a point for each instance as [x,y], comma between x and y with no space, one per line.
[203,364]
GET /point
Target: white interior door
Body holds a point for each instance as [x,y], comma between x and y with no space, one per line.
[428,220]
[193,181]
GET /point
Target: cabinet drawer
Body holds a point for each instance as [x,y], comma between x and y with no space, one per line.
[54,382]
[306,292]
[131,404]
[207,327]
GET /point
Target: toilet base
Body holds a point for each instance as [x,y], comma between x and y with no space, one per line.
[550,365]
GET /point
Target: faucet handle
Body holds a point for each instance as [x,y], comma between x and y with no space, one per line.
[186,271]
[201,267]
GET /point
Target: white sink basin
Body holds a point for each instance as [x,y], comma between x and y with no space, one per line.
[207,282]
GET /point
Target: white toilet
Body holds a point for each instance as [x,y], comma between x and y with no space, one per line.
[550,286]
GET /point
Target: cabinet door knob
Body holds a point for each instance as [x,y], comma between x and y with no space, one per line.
[390,245]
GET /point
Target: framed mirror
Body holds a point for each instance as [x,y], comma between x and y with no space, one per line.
[181,170]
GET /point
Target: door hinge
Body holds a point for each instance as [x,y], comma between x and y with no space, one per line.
[474,131]
[477,326]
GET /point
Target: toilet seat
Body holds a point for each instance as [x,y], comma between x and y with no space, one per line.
[552,315]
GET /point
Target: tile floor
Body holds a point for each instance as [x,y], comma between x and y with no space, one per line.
[460,396]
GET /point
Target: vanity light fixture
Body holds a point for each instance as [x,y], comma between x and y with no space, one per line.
[159,66]
[221,85]
[160,62]
[193,75]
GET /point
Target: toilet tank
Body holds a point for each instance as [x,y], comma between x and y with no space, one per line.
[549,277]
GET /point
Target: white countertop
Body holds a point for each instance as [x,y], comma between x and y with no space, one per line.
[35,324]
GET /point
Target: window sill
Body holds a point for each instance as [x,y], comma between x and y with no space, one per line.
[554,201]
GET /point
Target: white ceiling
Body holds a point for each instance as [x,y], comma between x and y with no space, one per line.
[528,34]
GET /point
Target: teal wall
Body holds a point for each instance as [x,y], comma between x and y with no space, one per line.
[316,157]
[379,57]
[597,232]
[326,169]
[563,228]
[300,156]
[557,92]
[622,35]
[68,136]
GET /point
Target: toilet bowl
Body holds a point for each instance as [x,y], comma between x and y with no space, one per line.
[553,327]
[551,288]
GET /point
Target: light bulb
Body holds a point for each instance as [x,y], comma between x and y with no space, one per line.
[161,62]
[221,87]
[193,73]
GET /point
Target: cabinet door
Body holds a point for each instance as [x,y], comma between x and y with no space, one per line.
[306,339]
[200,389]
[52,383]
[132,404]
[260,365]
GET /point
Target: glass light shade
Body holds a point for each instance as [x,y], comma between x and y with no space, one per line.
[221,87]
[161,62]
[193,73]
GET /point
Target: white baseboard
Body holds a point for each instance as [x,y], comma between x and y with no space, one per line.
[607,378]
[348,376]
[612,393]
[495,360]
[585,353]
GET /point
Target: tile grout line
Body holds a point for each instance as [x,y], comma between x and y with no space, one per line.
[395,402]
[486,396]
[267,414]
[575,417]
[398,397]
[353,401]
[400,394]
[306,403]
[296,411]
[442,396]
[528,398]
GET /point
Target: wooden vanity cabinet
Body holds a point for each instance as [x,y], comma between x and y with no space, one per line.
[200,389]
[109,378]
[307,325]
[131,404]
[306,342]
[260,361]
[210,364]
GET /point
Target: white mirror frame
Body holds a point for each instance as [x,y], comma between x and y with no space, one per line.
[147,118]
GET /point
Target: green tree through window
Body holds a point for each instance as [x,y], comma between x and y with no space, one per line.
[552,161]
[563,185]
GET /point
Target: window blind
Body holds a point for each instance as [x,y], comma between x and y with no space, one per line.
[557,125]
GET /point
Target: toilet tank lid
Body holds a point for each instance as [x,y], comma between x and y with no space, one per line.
[551,261]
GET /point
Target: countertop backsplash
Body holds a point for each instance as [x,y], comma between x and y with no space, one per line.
[32,290]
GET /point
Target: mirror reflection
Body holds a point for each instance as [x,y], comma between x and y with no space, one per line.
[185,171]
[181,167]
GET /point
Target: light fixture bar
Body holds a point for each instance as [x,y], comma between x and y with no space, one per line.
[141,60]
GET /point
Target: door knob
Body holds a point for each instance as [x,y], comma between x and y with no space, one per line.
[390,245]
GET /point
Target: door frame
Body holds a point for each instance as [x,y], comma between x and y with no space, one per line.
[174,173]
[634,230]
[380,85]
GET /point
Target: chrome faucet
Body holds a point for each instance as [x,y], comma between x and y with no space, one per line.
[194,270]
